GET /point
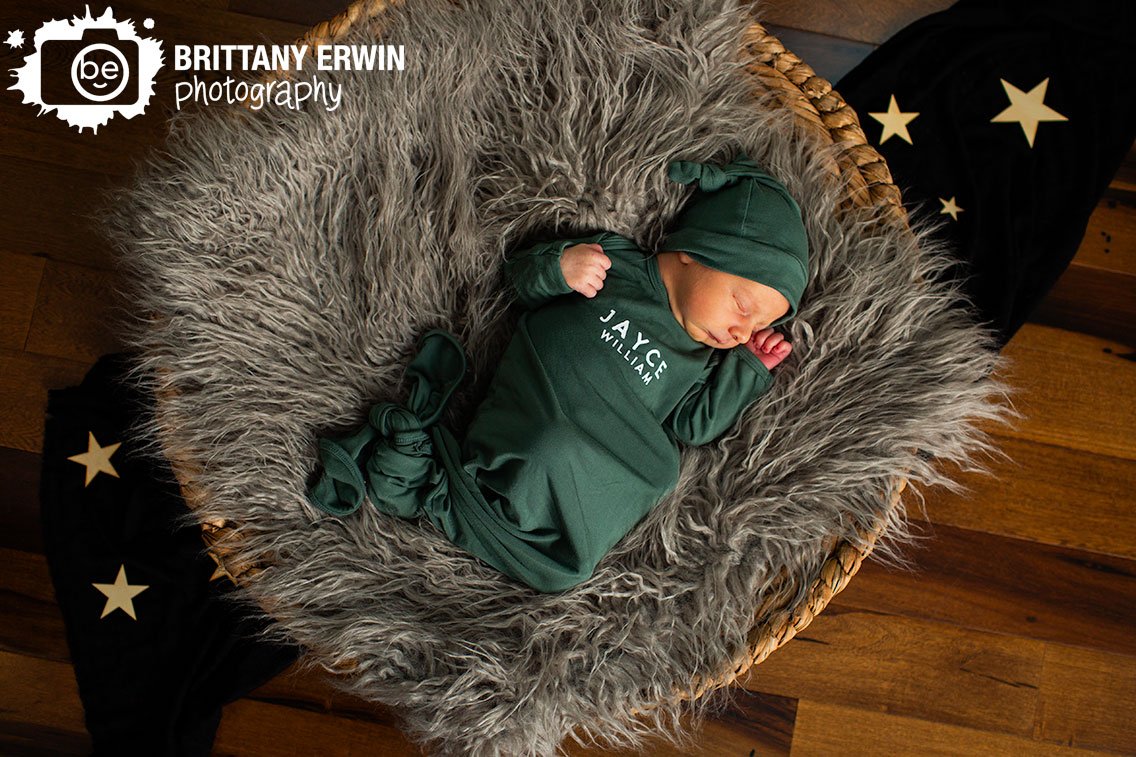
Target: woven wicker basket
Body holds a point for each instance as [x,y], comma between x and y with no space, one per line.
[823,111]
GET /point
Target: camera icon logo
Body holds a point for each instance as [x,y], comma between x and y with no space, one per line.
[106,69]
[100,70]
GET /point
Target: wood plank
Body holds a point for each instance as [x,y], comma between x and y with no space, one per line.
[905,666]
[1110,238]
[19,500]
[312,690]
[25,379]
[25,133]
[40,706]
[1047,494]
[997,584]
[294,11]
[33,621]
[1091,301]
[940,673]
[752,723]
[824,728]
[79,313]
[250,727]
[1075,390]
[20,276]
[46,211]
[1088,699]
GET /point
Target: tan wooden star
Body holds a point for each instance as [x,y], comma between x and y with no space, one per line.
[895,122]
[950,208]
[220,571]
[1027,109]
[96,459]
[120,594]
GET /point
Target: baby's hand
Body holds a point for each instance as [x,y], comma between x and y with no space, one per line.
[585,267]
[770,346]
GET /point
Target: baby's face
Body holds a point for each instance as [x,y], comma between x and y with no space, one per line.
[718,309]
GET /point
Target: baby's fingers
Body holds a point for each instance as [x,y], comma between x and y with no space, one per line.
[759,337]
[602,259]
[772,341]
[597,271]
[591,284]
[597,280]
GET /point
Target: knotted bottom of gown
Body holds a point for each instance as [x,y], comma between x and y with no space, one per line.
[390,448]
[409,465]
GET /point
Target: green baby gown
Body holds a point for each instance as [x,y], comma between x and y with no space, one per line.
[576,439]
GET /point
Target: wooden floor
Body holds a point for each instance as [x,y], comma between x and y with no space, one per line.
[1017,636]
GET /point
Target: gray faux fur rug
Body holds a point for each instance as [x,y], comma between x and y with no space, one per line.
[295,257]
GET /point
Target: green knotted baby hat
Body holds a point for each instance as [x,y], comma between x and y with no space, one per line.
[742,221]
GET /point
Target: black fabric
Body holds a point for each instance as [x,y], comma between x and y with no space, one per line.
[156,684]
[1025,209]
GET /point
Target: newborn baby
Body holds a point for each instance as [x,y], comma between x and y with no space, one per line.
[619,357]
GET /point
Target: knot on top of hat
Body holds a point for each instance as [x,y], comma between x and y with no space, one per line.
[711,177]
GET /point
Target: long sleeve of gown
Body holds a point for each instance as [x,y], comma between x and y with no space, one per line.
[713,404]
[535,271]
